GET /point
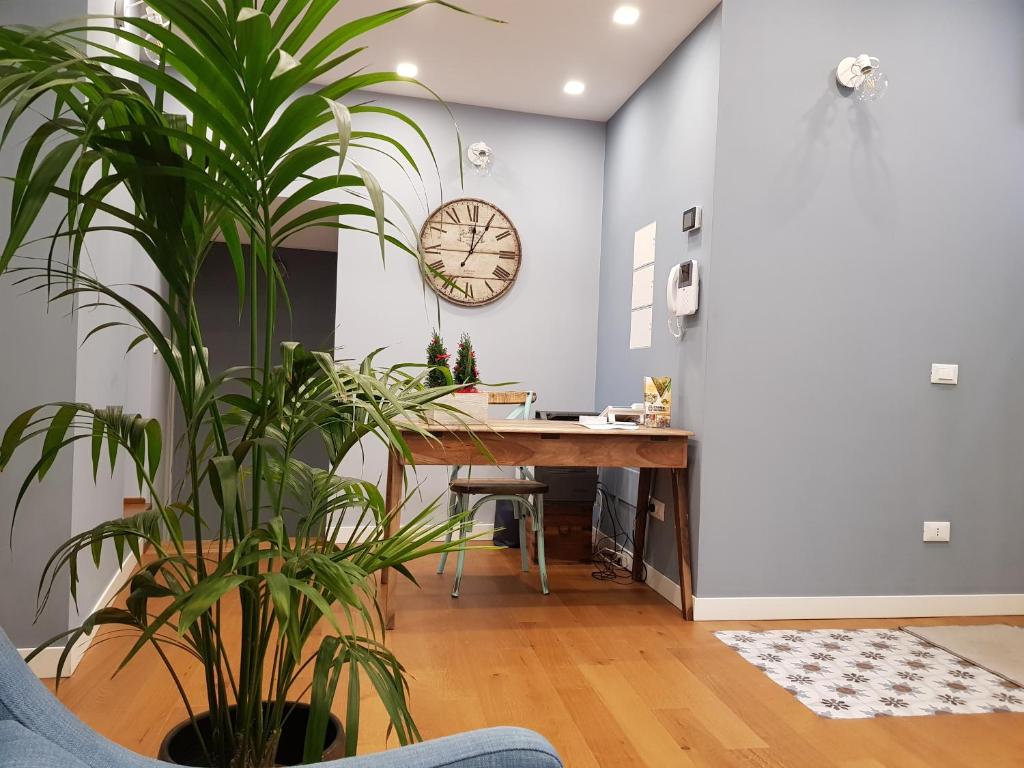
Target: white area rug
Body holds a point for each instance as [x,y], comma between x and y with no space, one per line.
[999,648]
[857,673]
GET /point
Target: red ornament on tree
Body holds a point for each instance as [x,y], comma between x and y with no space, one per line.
[437,357]
[465,365]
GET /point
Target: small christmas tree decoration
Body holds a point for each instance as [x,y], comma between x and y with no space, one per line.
[437,356]
[465,365]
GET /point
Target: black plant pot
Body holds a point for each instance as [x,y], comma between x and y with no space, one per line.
[181,745]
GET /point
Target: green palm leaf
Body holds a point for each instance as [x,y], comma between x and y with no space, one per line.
[223,140]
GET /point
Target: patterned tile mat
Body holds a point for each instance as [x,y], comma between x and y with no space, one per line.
[857,673]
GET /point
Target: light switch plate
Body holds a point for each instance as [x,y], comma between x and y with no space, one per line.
[936,531]
[945,373]
[658,509]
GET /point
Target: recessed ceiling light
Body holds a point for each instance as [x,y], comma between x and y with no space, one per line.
[407,69]
[574,87]
[626,15]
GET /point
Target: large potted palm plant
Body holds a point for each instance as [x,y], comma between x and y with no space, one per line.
[241,151]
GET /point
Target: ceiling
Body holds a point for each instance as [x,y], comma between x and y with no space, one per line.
[523,64]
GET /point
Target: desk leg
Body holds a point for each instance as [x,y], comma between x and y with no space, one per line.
[643,501]
[681,504]
[388,578]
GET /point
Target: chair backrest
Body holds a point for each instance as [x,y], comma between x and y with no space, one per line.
[524,401]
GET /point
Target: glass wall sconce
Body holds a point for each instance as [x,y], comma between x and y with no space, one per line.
[862,75]
[130,9]
[481,156]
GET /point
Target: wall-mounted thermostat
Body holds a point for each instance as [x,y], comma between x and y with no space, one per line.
[691,219]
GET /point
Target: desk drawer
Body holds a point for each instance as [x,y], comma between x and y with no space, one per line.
[550,450]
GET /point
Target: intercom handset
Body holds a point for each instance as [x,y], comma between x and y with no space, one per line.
[683,294]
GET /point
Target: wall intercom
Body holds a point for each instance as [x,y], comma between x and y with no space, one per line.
[683,294]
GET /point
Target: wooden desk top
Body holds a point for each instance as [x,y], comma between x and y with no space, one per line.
[545,427]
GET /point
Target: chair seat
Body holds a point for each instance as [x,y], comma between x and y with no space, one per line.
[506,485]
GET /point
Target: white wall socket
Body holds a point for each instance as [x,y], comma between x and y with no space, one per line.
[936,531]
[658,509]
[945,373]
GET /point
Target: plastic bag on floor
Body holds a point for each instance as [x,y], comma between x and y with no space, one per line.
[506,527]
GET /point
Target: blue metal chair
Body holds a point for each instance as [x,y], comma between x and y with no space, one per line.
[516,490]
[512,489]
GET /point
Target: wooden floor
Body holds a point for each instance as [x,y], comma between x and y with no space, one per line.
[609,673]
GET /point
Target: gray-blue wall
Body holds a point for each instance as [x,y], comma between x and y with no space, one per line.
[856,244]
[660,160]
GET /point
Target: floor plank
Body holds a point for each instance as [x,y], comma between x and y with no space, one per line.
[609,673]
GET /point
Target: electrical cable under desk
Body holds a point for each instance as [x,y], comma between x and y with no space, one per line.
[609,550]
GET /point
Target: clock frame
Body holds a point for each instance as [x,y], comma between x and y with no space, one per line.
[475,247]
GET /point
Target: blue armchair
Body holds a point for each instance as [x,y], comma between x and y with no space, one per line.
[37,731]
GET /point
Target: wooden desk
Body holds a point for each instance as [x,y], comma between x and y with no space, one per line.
[538,443]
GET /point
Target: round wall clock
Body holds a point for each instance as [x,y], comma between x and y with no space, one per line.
[472,252]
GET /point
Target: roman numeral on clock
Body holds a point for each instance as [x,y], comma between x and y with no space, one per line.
[437,266]
[433,249]
[473,211]
[502,235]
[506,254]
[501,273]
[453,215]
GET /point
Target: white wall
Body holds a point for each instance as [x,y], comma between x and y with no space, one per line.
[106,376]
[51,366]
[548,178]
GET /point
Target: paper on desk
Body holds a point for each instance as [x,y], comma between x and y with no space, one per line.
[608,425]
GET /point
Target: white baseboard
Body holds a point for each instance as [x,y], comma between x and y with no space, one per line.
[854,607]
[664,586]
[45,664]
[835,607]
[829,607]
[656,580]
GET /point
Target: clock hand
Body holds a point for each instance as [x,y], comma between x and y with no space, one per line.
[473,245]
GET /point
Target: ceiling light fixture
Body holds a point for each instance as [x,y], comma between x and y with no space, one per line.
[626,15]
[574,87]
[407,69]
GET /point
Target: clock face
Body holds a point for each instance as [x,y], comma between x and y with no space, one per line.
[472,253]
